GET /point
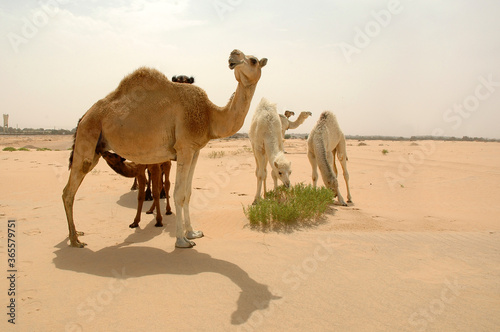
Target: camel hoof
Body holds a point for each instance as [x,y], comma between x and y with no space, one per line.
[77,244]
[349,201]
[159,224]
[133,225]
[184,243]
[194,234]
[149,212]
[168,213]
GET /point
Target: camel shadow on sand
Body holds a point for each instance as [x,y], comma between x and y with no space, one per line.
[135,261]
[129,200]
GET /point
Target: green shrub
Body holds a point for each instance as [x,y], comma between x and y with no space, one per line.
[44,149]
[9,148]
[23,149]
[384,152]
[298,205]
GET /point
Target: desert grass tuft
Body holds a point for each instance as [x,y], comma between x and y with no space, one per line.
[216,154]
[299,205]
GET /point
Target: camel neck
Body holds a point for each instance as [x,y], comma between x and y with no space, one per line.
[274,148]
[228,120]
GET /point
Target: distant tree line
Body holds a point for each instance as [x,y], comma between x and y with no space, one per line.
[42,131]
[33,131]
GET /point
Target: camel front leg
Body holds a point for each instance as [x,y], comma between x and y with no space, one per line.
[190,233]
[314,165]
[181,199]
[274,176]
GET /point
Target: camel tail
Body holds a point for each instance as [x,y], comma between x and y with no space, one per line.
[119,164]
[73,146]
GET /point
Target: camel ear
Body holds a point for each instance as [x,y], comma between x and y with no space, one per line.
[276,164]
[191,80]
[263,62]
[174,78]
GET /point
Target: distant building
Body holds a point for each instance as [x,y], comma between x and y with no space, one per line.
[5,122]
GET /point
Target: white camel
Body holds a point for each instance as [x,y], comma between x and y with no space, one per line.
[149,119]
[287,124]
[267,145]
[326,140]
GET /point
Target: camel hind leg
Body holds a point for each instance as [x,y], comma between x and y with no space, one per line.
[342,156]
[157,186]
[165,167]
[141,180]
[84,159]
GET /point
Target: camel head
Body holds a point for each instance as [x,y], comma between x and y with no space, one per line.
[283,169]
[246,67]
[183,79]
[332,184]
[289,114]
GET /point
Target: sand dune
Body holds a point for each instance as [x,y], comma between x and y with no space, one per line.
[418,250]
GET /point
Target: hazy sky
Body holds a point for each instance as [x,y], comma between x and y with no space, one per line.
[384,67]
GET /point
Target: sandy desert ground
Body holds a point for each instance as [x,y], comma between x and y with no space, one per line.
[417,250]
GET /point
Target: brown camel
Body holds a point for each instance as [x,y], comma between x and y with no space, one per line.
[149,119]
[163,194]
[130,169]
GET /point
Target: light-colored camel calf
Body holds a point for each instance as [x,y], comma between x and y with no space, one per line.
[326,140]
[267,145]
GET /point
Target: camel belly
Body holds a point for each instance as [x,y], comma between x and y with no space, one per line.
[140,145]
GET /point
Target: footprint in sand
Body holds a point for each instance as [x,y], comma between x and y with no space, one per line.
[29,301]
[431,218]
[32,232]
[379,218]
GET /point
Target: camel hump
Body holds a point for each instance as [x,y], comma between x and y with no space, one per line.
[327,116]
[141,80]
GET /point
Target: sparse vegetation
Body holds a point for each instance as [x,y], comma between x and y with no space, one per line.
[288,136]
[362,144]
[240,151]
[9,148]
[384,151]
[43,149]
[295,206]
[23,149]
[216,154]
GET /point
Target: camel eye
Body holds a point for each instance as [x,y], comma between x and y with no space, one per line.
[280,173]
[253,61]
